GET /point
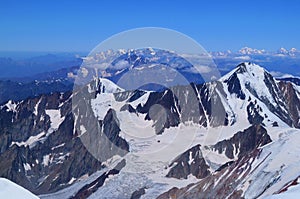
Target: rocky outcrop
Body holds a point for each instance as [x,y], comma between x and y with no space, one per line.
[167,113]
[222,184]
[128,107]
[234,86]
[92,187]
[199,104]
[253,112]
[111,128]
[138,193]
[290,95]
[38,157]
[190,162]
[243,142]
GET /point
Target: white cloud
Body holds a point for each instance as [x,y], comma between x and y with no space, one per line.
[199,69]
[101,66]
[203,69]
[121,65]
[279,74]
[242,58]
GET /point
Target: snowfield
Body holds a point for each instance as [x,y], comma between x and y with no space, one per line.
[10,190]
[292,193]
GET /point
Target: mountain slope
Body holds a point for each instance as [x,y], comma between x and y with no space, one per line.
[14,191]
[262,172]
[194,140]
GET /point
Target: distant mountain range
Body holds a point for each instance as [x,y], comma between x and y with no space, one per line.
[278,62]
[11,68]
[252,51]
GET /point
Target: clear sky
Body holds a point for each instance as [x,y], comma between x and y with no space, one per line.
[63,25]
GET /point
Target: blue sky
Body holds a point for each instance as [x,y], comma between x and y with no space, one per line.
[81,25]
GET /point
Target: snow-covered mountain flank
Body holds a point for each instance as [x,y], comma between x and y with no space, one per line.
[13,191]
[235,137]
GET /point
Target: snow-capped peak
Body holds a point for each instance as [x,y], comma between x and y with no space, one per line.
[293,50]
[249,51]
[107,86]
[283,51]
[252,76]
[248,68]
[250,81]
[103,85]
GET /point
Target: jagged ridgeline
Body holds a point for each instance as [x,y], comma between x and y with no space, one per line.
[225,138]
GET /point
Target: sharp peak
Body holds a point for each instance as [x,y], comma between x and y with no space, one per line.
[246,64]
[109,85]
[249,67]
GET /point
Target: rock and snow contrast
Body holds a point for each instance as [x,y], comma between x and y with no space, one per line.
[236,137]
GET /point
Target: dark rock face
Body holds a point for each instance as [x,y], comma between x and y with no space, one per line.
[253,113]
[138,193]
[111,128]
[189,99]
[169,107]
[278,97]
[89,189]
[293,102]
[12,167]
[242,68]
[174,193]
[234,86]
[136,95]
[190,162]
[203,104]
[58,154]
[294,80]
[289,185]
[99,136]
[225,165]
[212,103]
[200,104]
[28,118]
[129,108]
[243,142]
[77,162]
[228,179]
